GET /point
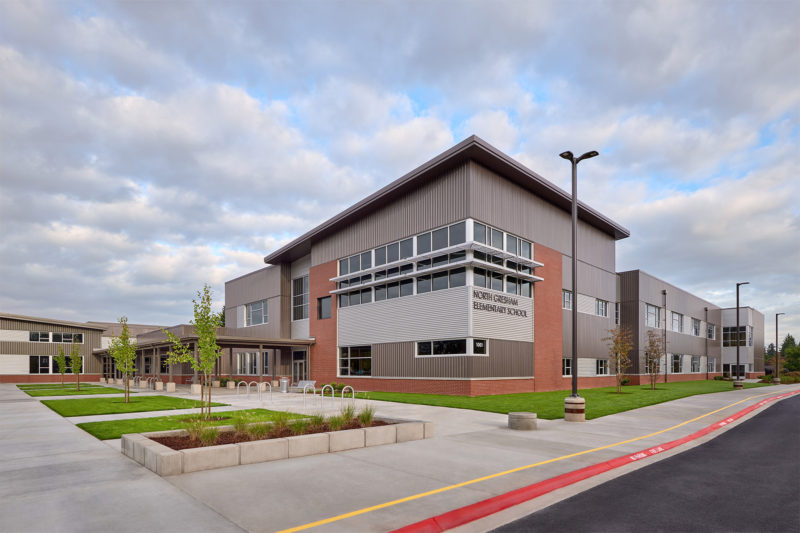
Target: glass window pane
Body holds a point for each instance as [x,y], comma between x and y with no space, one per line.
[380,256]
[511,244]
[380,274]
[497,239]
[440,239]
[380,293]
[366,296]
[407,287]
[525,249]
[392,252]
[479,256]
[393,271]
[525,288]
[424,348]
[393,290]
[366,279]
[366,260]
[325,307]
[496,260]
[355,298]
[458,256]
[423,284]
[511,285]
[355,263]
[458,277]
[344,267]
[406,269]
[479,232]
[344,300]
[458,233]
[440,260]
[422,265]
[406,248]
[479,277]
[423,243]
[497,281]
[440,281]
[58,336]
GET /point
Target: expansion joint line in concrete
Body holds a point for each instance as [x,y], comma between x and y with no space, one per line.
[492,505]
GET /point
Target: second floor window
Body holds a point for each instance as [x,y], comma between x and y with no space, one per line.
[677,322]
[256,313]
[566,299]
[653,318]
[601,308]
[300,298]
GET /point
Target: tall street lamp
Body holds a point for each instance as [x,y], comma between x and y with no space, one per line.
[666,362]
[777,378]
[575,406]
[738,383]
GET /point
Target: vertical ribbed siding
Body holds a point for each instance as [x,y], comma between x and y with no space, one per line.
[506,359]
[438,202]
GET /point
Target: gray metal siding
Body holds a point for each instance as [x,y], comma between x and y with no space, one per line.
[258,285]
[592,280]
[592,329]
[506,359]
[507,206]
[436,203]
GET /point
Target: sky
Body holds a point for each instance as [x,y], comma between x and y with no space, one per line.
[147,148]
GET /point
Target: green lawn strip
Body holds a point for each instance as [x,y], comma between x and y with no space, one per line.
[67,385]
[72,392]
[114,429]
[107,406]
[550,405]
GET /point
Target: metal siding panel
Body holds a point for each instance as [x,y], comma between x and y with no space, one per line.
[258,285]
[439,202]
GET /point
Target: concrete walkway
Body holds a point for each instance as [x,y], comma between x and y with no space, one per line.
[44,454]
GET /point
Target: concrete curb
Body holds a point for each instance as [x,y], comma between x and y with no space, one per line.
[165,461]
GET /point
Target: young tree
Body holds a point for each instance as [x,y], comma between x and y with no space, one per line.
[653,352]
[61,361]
[123,351]
[205,325]
[620,343]
[75,363]
[791,359]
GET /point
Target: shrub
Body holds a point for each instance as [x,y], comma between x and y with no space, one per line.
[717,378]
[280,423]
[625,380]
[208,436]
[299,426]
[240,422]
[223,382]
[335,422]
[195,427]
[348,413]
[258,431]
[366,415]
[316,421]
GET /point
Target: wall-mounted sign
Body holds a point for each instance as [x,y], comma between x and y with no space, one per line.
[497,303]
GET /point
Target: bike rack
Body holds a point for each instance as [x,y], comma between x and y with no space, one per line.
[268,384]
[239,385]
[352,390]
[322,398]
[151,381]
[257,388]
[305,388]
[136,380]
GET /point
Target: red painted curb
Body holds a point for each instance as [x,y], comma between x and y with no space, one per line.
[475,511]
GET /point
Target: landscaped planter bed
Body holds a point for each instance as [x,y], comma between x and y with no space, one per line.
[148,450]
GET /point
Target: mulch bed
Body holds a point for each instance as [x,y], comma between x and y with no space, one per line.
[233,437]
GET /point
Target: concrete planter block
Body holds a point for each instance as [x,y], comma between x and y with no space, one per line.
[215,383]
[303,445]
[380,435]
[410,431]
[260,451]
[127,443]
[574,409]
[195,389]
[171,386]
[428,429]
[139,448]
[232,384]
[101,380]
[168,433]
[143,384]
[347,440]
[162,460]
[119,381]
[522,421]
[159,385]
[210,457]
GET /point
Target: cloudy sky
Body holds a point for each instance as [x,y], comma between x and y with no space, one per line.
[149,147]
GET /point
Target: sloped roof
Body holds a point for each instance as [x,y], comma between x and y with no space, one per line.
[43,320]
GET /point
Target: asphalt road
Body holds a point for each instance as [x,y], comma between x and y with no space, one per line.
[745,480]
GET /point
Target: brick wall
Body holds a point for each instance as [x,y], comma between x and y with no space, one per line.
[547,329]
[323,352]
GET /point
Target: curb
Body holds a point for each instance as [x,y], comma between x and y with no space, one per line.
[482,509]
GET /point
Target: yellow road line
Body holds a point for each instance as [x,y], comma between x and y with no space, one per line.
[503,473]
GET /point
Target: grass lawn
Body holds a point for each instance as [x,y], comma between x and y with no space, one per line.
[67,385]
[106,406]
[114,429]
[71,391]
[550,405]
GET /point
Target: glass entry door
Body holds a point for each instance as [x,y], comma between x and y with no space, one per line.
[299,366]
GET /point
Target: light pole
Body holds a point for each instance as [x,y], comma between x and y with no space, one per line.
[575,406]
[777,378]
[738,383]
[705,334]
[666,362]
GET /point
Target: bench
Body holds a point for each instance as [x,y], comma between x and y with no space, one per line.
[302,384]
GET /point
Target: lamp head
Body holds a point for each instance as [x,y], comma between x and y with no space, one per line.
[743,283]
[588,155]
[567,155]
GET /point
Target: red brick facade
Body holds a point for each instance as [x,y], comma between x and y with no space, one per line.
[323,356]
[547,321]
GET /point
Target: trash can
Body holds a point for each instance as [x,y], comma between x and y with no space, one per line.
[284,384]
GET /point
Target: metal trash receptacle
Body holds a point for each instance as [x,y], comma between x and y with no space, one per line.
[284,384]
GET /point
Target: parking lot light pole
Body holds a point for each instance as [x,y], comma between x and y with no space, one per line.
[738,384]
[777,378]
[575,406]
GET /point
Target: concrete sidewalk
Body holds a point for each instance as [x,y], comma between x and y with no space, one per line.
[56,477]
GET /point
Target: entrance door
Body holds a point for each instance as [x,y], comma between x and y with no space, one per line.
[298,366]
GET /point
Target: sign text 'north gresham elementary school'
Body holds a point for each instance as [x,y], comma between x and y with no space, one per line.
[494,307]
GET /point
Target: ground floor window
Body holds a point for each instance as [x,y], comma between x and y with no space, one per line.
[712,365]
[40,364]
[602,367]
[355,361]
[247,363]
[695,363]
[566,367]
[677,364]
[147,364]
[164,365]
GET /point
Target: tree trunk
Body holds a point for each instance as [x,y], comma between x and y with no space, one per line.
[77,381]
[127,389]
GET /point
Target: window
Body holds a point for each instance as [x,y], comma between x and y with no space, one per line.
[300,298]
[164,365]
[444,347]
[355,361]
[677,322]
[487,235]
[566,367]
[39,336]
[324,307]
[256,313]
[712,365]
[442,238]
[67,337]
[695,363]
[423,284]
[247,363]
[147,364]
[601,367]
[391,253]
[711,331]
[566,299]
[653,316]
[729,336]
[695,327]
[616,313]
[518,286]
[749,335]
[601,308]
[479,346]
[677,364]
[40,364]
